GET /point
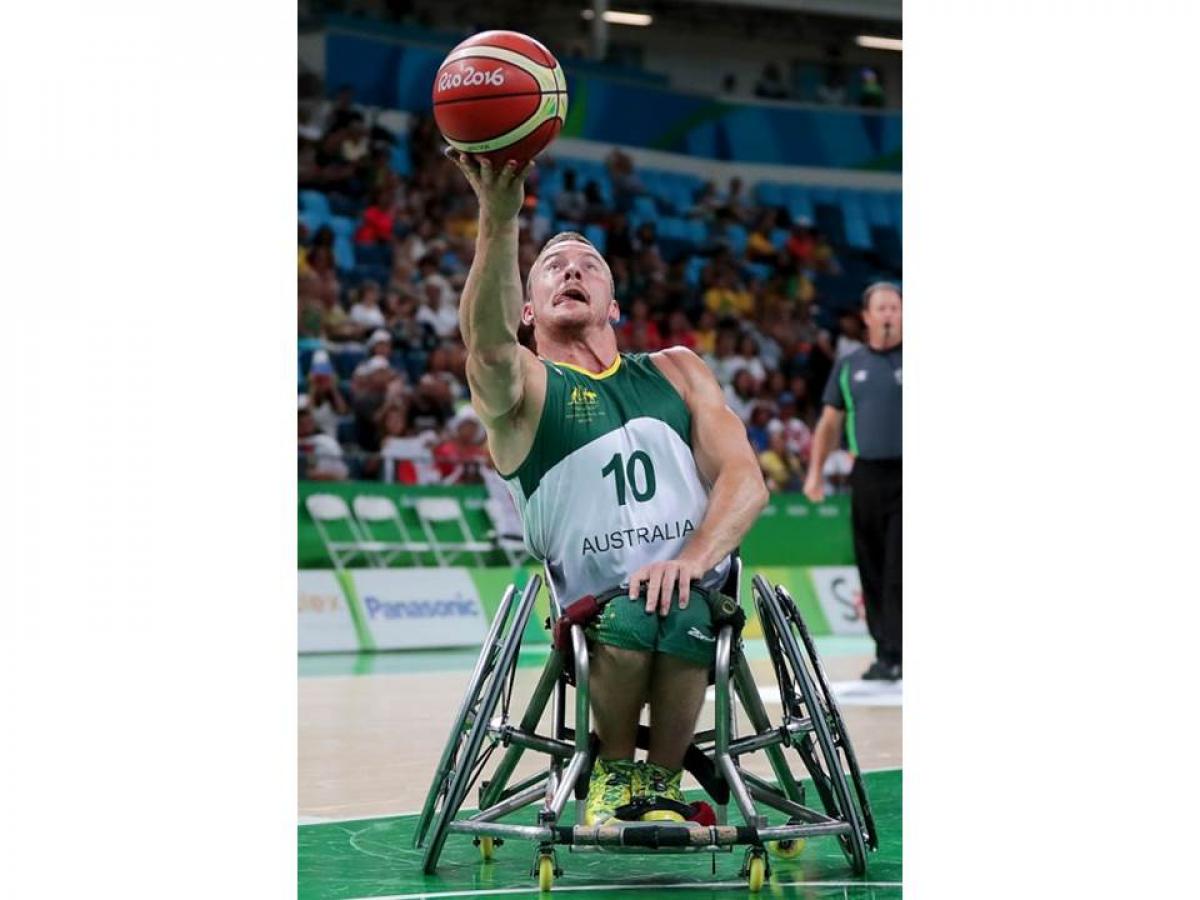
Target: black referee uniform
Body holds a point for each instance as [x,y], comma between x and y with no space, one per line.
[865,384]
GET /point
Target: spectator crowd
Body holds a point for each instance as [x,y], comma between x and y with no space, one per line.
[383,391]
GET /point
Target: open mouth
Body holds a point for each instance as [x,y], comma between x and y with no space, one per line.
[571,293]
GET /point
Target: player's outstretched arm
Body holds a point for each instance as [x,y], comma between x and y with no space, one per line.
[489,311]
[727,461]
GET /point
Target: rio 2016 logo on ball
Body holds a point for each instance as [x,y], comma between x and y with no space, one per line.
[502,95]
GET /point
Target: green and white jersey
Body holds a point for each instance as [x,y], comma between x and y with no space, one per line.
[610,482]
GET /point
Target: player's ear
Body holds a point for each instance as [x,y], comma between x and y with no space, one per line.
[527,313]
[614,311]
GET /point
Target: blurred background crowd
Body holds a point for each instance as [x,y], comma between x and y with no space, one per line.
[765,293]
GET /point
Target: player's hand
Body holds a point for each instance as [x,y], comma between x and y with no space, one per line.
[661,579]
[814,487]
[500,193]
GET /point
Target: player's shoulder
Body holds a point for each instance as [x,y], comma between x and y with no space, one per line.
[684,369]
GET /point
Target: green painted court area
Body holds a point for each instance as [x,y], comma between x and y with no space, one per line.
[375,858]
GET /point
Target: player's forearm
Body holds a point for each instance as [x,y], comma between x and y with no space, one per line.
[737,497]
[489,312]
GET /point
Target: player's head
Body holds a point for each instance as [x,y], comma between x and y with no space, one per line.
[569,288]
[882,310]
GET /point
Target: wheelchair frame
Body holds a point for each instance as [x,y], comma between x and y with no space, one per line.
[812,725]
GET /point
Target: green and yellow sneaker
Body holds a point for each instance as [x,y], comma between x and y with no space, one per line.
[658,783]
[610,787]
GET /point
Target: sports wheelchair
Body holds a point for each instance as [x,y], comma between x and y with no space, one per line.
[812,726]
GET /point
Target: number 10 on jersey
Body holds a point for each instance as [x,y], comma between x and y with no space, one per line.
[637,473]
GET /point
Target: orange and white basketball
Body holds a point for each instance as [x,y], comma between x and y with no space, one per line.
[502,95]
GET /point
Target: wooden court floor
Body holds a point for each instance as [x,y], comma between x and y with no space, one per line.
[371,730]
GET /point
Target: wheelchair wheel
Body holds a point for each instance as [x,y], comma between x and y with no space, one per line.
[817,749]
[468,760]
[463,720]
[837,725]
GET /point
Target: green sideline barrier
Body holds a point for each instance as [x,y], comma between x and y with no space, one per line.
[790,532]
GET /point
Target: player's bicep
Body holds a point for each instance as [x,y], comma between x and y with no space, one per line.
[718,435]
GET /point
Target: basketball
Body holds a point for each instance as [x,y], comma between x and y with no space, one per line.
[501,95]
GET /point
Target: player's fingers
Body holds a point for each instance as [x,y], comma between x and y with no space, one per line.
[635,582]
[525,172]
[506,174]
[685,587]
[653,584]
[668,589]
[487,175]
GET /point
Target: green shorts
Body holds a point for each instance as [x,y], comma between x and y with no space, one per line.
[686,633]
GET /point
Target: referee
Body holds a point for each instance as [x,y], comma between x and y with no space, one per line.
[863,395]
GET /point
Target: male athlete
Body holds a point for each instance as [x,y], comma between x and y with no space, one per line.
[625,468]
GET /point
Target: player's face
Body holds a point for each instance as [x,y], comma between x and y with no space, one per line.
[883,317]
[571,288]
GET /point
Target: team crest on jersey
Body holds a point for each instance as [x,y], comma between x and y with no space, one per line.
[583,404]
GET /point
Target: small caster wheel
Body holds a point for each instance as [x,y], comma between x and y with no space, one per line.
[758,873]
[788,849]
[487,848]
[545,873]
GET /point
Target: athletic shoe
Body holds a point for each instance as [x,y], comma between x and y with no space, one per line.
[611,786]
[882,671]
[658,783]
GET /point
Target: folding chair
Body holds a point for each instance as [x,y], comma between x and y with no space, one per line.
[329,513]
[432,511]
[374,514]
[508,531]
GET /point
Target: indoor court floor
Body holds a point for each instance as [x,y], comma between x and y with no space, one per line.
[372,727]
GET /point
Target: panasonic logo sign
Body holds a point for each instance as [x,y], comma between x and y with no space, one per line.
[454,607]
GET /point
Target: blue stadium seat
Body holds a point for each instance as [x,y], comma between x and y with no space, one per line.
[314,202]
[672,227]
[876,208]
[343,226]
[779,238]
[313,222]
[691,272]
[858,234]
[598,236]
[799,204]
[401,161]
[761,271]
[343,253]
[770,194]
[738,236]
[645,205]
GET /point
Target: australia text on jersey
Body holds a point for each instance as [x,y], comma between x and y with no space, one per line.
[641,534]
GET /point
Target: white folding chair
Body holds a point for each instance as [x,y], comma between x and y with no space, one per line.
[329,511]
[375,514]
[508,531]
[433,511]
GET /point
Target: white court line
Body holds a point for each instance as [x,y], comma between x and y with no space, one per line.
[847,693]
[629,887]
[320,820]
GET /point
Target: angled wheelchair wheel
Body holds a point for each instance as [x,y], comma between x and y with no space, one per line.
[837,725]
[801,698]
[469,755]
[459,731]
